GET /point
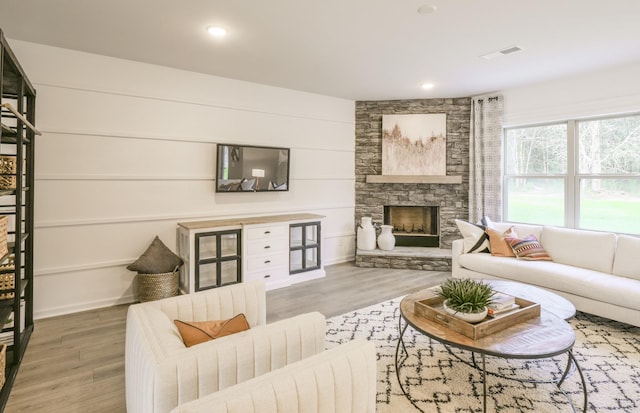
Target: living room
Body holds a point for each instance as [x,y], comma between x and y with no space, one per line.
[129,145]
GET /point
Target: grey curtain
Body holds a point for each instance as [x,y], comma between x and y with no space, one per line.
[485,158]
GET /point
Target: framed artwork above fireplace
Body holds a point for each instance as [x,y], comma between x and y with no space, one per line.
[414,144]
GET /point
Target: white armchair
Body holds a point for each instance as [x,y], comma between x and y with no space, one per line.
[340,380]
[161,373]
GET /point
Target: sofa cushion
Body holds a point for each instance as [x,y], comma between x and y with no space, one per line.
[626,262]
[580,248]
[590,284]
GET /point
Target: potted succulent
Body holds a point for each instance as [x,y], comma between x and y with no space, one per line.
[466,299]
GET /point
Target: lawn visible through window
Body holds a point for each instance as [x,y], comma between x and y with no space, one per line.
[588,168]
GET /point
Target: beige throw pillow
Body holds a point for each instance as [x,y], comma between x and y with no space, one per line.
[498,243]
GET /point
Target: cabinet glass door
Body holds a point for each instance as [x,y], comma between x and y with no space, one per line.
[229,271]
[304,247]
[207,276]
[229,245]
[208,245]
[295,261]
[311,259]
[311,235]
[217,259]
[295,236]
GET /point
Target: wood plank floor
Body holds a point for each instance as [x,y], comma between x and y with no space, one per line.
[75,363]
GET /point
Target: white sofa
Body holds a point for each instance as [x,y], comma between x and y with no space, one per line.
[340,380]
[598,272]
[161,373]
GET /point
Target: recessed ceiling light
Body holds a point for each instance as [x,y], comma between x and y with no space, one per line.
[216,31]
[427,86]
[427,9]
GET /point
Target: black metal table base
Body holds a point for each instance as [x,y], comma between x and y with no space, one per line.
[401,357]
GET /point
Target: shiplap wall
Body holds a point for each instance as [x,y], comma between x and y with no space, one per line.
[128,150]
[609,91]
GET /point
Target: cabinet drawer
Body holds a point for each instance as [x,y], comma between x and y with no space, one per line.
[267,246]
[266,262]
[267,232]
[269,275]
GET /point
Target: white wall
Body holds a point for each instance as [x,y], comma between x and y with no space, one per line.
[128,150]
[611,91]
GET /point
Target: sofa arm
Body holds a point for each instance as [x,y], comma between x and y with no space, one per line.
[212,366]
[456,250]
[340,380]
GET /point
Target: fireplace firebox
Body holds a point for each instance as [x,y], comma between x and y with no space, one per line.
[413,226]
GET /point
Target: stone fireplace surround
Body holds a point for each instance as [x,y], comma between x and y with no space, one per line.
[452,199]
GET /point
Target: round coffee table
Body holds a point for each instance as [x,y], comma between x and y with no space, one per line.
[549,301]
[542,337]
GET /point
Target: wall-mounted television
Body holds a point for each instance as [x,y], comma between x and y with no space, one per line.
[246,168]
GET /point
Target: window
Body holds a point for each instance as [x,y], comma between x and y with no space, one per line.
[579,174]
[535,174]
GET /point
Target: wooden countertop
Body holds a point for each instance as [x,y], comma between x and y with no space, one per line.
[262,219]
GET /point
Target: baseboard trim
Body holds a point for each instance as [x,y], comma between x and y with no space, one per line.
[80,307]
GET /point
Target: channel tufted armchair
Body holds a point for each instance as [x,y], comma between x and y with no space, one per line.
[340,380]
[162,373]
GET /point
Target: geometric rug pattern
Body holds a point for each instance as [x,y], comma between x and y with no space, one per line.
[608,353]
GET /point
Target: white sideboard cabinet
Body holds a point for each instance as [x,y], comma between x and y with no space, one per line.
[280,249]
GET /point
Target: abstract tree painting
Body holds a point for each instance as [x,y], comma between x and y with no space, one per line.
[414,144]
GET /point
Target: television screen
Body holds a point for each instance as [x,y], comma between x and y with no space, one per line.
[244,168]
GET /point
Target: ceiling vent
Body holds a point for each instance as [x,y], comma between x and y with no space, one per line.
[503,52]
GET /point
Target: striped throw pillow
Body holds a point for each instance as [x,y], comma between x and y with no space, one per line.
[528,248]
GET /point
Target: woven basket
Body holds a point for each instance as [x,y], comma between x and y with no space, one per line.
[4,220]
[153,287]
[7,172]
[8,278]
[3,363]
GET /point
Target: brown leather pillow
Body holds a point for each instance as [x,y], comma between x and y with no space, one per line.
[196,332]
[498,243]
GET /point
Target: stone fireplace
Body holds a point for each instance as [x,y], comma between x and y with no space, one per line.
[413,226]
[449,197]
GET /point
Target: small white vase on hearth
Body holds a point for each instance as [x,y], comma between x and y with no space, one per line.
[366,238]
[386,240]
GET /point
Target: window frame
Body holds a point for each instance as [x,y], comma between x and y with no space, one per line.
[572,177]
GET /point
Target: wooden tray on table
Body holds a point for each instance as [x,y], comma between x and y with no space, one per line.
[432,309]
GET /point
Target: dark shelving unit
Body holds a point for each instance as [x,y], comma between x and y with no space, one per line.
[17,119]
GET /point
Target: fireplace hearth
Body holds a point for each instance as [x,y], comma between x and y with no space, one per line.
[413,226]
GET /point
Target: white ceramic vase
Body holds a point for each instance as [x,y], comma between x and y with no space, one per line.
[366,235]
[386,240]
[468,317]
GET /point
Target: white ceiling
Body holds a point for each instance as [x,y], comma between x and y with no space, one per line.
[354,49]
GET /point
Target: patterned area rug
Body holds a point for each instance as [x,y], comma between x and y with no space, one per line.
[437,381]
